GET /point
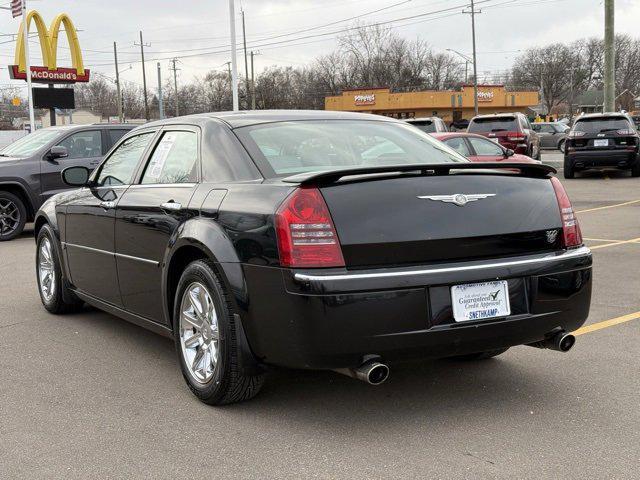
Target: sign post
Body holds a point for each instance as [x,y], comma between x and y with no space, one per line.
[25,31]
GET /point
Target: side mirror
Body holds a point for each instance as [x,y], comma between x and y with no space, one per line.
[58,151]
[75,176]
[509,153]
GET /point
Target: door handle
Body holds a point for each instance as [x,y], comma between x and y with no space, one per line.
[108,204]
[171,205]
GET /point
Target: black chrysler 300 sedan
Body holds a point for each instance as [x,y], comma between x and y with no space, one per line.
[313,240]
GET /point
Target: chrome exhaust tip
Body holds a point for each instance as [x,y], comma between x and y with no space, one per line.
[561,342]
[371,372]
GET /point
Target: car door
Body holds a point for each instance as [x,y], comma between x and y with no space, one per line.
[547,136]
[85,148]
[148,215]
[90,220]
[485,150]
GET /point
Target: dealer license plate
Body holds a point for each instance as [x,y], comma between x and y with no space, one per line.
[478,301]
[601,143]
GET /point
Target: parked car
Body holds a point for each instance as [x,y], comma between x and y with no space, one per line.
[428,124]
[552,134]
[265,238]
[30,167]
[459,125]
[602,140]
[511,130]
[480,149]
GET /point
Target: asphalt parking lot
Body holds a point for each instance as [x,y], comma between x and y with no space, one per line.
[91,396]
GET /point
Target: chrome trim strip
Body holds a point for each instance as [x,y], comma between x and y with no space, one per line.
[105,252]
[579,252]
[136,186]
[139,259]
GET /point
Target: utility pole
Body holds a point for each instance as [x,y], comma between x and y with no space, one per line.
[609,57]
[144,79]
[475,64]
[25,32]
[119,98]
[234,60]
[160,103]
[467,61]
[246,66]
[175,84]
[253,86]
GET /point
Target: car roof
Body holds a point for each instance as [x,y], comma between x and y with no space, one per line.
[421,119]
[90,126]
[497,115]
[253,117]
[602,115]
[447,135]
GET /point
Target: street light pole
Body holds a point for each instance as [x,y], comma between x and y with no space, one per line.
[25,32]
[234,60]
[475,66]
[609,57]
[467,61]
[119,93]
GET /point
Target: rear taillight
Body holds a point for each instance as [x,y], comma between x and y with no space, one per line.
[516,137]
[572,237]
[624,131]
[576,133]
[306,234]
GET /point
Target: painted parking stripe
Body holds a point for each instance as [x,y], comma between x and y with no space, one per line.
[608,206]
[607,323]
[613,244]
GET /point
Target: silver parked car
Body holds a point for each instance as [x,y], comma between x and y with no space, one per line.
[552,134]
[428,124]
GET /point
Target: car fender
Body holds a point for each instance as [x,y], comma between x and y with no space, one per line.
[210,238]
[24,189]
[47,214]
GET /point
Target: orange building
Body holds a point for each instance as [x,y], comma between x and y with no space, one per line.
[449,105]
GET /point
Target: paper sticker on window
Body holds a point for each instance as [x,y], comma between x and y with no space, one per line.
[159,157]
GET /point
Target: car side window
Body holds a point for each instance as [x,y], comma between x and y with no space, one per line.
[119,168]
[485,147]
[86,144]
[459,145]
[115,135]
[174,160]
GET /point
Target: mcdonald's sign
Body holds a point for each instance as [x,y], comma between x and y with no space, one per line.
[50,72]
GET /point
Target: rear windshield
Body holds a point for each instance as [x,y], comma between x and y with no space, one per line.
[289,148]
[601,124]
[426,126]
[494,124]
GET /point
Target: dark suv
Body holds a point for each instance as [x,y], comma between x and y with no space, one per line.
[602,140]
[30,167]
[511,130]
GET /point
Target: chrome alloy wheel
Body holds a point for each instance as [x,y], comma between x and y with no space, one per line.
[46,270]
[199,334]
[9,217]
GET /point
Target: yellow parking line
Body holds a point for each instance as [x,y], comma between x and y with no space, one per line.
[608,240]
[608,206]
[613,244]
[607,323]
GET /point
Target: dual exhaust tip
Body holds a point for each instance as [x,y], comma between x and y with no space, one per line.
[374,372]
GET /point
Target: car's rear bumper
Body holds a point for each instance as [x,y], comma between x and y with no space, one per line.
[602,158]
[332,318]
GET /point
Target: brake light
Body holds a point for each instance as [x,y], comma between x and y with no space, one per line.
[576,133]
[516,137]
[571,235]
[305,231]
[625,131]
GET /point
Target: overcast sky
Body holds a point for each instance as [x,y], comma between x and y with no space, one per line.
[293,32]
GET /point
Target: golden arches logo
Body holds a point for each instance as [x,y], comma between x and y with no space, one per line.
[50,72]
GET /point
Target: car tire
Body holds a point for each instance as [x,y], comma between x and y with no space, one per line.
[205,336]
[481,355]
[52,286]
[561,145]
[568,169]
[13,216]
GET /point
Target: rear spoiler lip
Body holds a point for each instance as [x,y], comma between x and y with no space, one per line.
[536,170]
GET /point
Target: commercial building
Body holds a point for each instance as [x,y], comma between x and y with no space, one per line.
[450,105]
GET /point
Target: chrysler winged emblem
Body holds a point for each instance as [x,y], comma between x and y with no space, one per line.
[459,199]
